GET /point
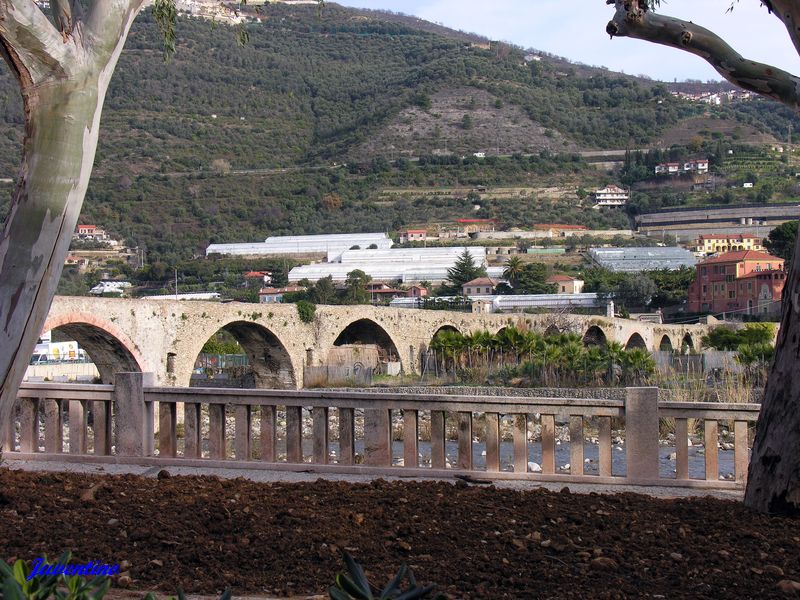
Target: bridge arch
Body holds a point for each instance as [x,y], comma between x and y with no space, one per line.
[595,336]
[552,330]
[269,362]
[688,342]
[108,347]
[368,332]
[665,345]
[636,341]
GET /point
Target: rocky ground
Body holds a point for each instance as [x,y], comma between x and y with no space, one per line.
[472,541]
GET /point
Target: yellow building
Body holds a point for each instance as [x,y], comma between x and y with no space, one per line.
[714,244]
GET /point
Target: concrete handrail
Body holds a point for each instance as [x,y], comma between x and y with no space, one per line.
[129,435]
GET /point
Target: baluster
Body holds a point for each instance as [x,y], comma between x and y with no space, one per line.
[319,419]
[520,435]
[377,437]
[712,454]
[548,444]
[410,438]
[681,449]
[347,451]
[492,442]
[192,419]
[243,434]
[167,434]
[103,440]
[438,460]
[465,441]
[294,434]
[269,433]
[7,432]
[53,427]
[29,425]
[604,449]
[576,445]
[216,431]
[77,427]
[741,451]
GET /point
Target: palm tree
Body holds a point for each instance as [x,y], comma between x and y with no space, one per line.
[614,354]
[637,366]
[513,270]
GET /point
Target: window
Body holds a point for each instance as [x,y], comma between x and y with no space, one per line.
[729,278]
[732,294]
[705,289]
[488,290]
[703,271]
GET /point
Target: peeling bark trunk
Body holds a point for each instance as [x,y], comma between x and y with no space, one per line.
[774,475]
[61,134]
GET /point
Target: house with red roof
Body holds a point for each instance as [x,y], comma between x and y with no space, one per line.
[746,282]
[482,286]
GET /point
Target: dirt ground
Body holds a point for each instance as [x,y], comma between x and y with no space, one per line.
[473,541]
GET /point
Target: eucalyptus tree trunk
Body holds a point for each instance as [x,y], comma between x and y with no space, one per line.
[774,475]
[63,69]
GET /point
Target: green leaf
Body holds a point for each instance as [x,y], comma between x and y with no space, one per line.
[347,584]
[20,572]
[359,578]
[394,585]
[416,593]
[166,16]
[337,594]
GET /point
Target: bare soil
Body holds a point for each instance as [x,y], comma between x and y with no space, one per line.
[204,534]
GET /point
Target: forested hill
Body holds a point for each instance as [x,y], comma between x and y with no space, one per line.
[311,90]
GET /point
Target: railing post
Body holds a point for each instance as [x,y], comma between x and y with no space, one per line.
[78,442]
[7,432]
[103,438]
[377,437]
[29,425]
[410,438]
[130,413]
[641,433]
[167,435]
[53,427]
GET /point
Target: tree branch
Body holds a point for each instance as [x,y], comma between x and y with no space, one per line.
[30,44]
[108,22]
[632,20]
[62,15]
[788,11]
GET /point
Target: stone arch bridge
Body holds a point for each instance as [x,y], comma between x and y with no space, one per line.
[164,337]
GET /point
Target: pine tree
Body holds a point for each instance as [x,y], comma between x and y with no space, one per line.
[463,271]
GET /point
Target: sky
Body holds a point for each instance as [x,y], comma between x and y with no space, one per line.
[576,30]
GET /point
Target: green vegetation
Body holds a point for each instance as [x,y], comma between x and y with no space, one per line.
[535,360]
[354,585]
[306,310]
[651,289]
[463,271]
[726,338]
[781,241]
[307,95]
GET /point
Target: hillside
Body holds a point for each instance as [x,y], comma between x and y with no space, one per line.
[312,91]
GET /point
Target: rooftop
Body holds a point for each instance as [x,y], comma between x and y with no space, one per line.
[739,256]
[481,281]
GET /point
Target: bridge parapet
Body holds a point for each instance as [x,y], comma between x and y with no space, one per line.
[321,430]
[165,336]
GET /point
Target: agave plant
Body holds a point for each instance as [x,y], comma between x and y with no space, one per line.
[18,585]
[354,585]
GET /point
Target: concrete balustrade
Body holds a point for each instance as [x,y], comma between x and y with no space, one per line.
[266,429]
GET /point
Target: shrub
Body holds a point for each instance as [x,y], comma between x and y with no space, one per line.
[306,310]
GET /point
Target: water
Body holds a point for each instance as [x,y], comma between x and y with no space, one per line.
[590,452]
